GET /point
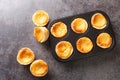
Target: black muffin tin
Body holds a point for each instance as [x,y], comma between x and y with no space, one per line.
[72,37]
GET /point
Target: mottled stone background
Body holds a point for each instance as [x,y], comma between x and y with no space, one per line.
[16,31]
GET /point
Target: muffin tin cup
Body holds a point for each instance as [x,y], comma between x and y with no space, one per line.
[72,37]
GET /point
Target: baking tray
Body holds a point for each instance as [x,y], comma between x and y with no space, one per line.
[72,37]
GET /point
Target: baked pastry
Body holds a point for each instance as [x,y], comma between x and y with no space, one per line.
[64,49]
[25,56]
[84,45]
[41,34]
[39,68]
[104,40]
[40,18]
[98,21]
[59,29]
[79,25]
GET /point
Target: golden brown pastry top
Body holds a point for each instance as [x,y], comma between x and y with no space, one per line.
[25,56]
[79,25]
[41,34]
[40,18]
[38,34]
[64,49]
[104,40]
[59,30]
[39,68]
[98,21]
[84,45]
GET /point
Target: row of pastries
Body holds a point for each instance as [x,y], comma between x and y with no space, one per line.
[84,45]
[59,29]
[78,25]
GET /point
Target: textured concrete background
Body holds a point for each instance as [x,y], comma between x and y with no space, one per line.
[16,31]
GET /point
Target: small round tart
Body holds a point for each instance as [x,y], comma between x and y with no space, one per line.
[25,56]
[40,18]
[84,45]
[59,29]
[98,21]
[104,40]
[64,49]
[79,25]
[41,34]
[39,68]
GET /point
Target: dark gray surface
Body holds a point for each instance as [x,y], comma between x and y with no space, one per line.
[16,31]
